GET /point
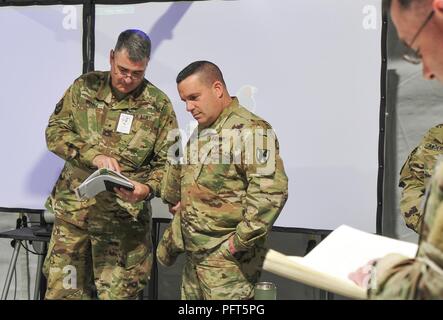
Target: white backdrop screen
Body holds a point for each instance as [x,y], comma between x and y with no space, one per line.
[41,56]
[310,68]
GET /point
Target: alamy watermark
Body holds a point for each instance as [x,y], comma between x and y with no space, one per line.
[229,146]
[69,278]
[370,17]
[69,21]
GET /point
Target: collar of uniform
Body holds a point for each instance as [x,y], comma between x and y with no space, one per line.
[105,94]
[137,92]
[218,124]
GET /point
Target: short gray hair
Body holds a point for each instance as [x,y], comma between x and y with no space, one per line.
[136,43]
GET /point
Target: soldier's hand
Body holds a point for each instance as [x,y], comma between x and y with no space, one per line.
[174,209]
[140,192]
[231,246]
[362,275]
[102,161]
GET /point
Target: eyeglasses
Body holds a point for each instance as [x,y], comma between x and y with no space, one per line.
[136,75]
[411,55]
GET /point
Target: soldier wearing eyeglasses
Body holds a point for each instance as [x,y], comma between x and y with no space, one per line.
[419,166]
[120,121]
[419,24]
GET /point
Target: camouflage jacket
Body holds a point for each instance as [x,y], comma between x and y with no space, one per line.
[232,189]
[397,277]
[84,125]
[415,176]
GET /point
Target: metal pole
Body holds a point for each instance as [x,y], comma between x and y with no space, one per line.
[38,276]
[11,269]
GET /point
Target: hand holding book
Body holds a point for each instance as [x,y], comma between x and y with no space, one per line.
[139,193]
[109,178]
[102,180]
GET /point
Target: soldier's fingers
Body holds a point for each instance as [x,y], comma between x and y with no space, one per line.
[115,165]
[106,164]
[125,192]
[177,206]
[356,277]
[110,164]
[98,161]
[101,164]
[118,193]
[124,195]
[361,276]
[121,192]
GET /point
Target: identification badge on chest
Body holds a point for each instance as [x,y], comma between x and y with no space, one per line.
[125,123]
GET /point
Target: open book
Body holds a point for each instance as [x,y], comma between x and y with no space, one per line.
[328,265]
[102,180]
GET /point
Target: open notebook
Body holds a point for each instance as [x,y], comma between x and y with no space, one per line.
[328,265]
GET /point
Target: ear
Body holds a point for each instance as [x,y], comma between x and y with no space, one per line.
[218,88]
[437,5]
[111,56]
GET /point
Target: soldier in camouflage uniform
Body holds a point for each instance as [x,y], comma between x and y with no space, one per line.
[415,176]
[227,207]
[120,121]
[397,277]
[420,24]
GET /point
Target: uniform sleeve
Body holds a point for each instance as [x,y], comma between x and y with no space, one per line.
[61,136]
[396,277]
[170,185]
[171,243]
[415,176]
[167,125]
[267,189]
[413,190]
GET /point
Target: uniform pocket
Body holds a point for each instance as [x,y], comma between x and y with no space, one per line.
[127,282]
[136,257]
[139,146]
[213,176]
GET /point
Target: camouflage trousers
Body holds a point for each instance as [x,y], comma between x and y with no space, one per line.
[113,252]
[220,276]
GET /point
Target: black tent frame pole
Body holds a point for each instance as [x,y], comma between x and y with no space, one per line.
[382,118]
[88,35]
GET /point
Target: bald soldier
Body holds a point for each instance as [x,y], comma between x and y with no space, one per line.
[233,187]
[419,24]
[120,121]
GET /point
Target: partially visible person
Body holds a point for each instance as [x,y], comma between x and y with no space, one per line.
[230,197]
[120,121]
[419,24]
[415,176]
